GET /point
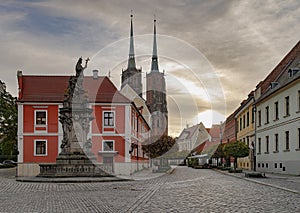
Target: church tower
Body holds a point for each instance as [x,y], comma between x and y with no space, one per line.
[132,75]
[156,94]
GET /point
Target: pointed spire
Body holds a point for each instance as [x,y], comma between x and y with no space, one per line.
[154,64]
[131,59]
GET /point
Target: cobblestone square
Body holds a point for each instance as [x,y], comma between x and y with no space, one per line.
[183,190]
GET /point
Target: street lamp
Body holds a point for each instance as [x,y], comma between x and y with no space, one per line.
[254,144]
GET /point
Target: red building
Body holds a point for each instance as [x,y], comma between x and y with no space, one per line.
[117,130]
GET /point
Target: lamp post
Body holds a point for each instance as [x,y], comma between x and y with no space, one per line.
[254,144]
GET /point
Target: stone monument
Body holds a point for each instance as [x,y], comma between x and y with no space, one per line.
[75,158]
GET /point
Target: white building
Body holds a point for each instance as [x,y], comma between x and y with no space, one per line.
[278,123]
[191,137]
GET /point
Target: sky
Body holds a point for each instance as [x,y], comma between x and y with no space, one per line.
[213,52]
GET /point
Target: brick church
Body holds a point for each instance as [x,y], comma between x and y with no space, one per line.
[155,87]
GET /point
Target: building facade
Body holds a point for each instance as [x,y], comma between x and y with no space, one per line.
[245,130]
[116,132]
[191,137]
[278,123]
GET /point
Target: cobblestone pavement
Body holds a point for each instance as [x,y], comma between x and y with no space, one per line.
[183,190]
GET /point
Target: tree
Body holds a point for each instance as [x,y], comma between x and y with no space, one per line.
[236,150]
[8,122]
[159,146]
[219,153]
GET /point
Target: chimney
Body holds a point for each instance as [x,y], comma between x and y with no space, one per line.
[95,74]
[20,82]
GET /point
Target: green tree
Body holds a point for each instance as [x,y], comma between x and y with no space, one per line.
[155,148]
[219,153]
[8,122]
[236,150]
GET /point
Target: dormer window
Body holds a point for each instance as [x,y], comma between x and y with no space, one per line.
[293,72]
[273,84]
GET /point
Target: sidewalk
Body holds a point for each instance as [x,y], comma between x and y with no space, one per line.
[289,183]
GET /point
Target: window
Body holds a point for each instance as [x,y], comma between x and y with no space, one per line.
[287,140]
[298,100]
[248,141]
[267,165]
[40,147]
[108,146]
[258,165]
[280,165]
[287,106]
[40,117]
[276,142]
[244,121]
[275,165]
[267,114]
[267,144]
[253,114]
[241,123]
[259,118]
[262,165]
[298,138]
[248,118]
[108,118]
[259,145]
[276,114]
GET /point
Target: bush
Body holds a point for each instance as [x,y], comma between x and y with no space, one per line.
[231,170]
[5,166]
[255,175]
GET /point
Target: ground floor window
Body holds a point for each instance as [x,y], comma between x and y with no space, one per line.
[40,147]
[108,146]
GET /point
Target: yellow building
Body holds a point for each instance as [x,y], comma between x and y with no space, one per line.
[245,130]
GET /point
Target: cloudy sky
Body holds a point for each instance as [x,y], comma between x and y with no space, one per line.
[213,52]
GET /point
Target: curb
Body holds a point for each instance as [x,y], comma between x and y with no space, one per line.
[259,182]
[71,180]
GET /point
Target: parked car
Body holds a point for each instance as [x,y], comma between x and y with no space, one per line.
[9,162]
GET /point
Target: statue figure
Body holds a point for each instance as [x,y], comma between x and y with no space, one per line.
[79,68]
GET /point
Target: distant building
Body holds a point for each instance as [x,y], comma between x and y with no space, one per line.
[245,130]
[117,130]
[278,117]
[156,99]
[191,137]
[229,133]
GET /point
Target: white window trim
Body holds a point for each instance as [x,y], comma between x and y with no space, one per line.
[40,125]
[46,154]
[114,118]
[108,141]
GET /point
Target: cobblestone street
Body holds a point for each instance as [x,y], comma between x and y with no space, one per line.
[184,190]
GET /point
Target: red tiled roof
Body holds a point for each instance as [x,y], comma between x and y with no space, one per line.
[52,89]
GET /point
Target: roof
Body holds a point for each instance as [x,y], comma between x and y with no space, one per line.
[284,80]
[52,89]
[284,63]
[187,133]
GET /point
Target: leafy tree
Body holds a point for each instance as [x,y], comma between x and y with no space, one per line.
[157,147]
[236,150]
[8,122]
[219,152]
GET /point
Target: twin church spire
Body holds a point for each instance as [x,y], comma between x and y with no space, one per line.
[132,75]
